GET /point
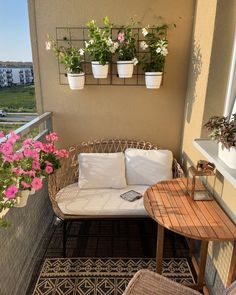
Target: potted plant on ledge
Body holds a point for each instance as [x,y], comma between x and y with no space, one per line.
[154,60]
[126,51]
[100,47]
[23,165]
[72,59]
[223,130]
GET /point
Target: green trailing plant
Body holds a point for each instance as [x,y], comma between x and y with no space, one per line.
[223,130]
[100,45]
[156,44]
[70,56]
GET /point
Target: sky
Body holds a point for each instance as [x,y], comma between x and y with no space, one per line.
[14,31]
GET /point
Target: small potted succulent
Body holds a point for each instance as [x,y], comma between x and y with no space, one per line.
[153,61]
[223,130]
[125,45]
[72,59]
[100,47]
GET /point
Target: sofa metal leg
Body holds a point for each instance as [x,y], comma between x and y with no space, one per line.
[64,237]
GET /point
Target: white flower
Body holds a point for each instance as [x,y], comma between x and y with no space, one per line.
[86,44]
[81,51]
[91,41]
[164,51]
[115,45]
[144,31]
[112,49]
[109,42]
[48,45]
[135,61]
[158,50]
[143,45]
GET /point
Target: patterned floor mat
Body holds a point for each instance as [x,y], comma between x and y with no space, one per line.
[110,276]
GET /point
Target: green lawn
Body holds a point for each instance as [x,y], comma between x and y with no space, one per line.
[7,128]
[18,98]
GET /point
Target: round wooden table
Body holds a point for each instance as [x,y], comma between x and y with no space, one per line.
[169,204]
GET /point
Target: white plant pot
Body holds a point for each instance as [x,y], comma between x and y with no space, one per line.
[228,156]
[4,212]
[32,191]
[22,200]
[125,68]
[76,81]
[153,80]
[99,71]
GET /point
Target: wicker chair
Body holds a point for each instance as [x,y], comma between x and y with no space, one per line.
[68,173]
[146,282]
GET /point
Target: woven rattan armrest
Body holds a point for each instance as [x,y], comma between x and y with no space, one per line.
[146,282]
[69,171]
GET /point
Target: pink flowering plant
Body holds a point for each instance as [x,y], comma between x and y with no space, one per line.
[23,169]
[125,43]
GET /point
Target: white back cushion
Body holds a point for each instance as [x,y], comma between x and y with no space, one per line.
[147,167]
[101,170]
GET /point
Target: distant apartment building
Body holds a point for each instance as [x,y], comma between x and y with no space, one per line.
[10,76]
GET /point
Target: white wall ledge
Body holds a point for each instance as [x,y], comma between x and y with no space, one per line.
[209,149]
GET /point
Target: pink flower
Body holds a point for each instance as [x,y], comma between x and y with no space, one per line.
[49,169]
[25,184]
[38,145]
[36,165]
[18,170]
[49,148]
[52,137]
[18,156]
[62,153]
[121,37]
[27,141]
[30,173]
[7,148]
[36,183]
[31,154]
[11,191]
[1,134]
[13,137]
[8,158]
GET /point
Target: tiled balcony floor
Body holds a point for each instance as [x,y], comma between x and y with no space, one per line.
[123,238]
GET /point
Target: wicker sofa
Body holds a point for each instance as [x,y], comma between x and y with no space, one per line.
[68,175]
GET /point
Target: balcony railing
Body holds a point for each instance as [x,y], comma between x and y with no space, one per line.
[44,122]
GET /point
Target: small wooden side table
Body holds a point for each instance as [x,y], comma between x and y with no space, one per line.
[169,204]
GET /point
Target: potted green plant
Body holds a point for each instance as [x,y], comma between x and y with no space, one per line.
[223,130]
[72,59]
[154,60]
[125,45]
[100,47]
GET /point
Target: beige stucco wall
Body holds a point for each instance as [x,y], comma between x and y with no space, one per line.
[208,74]
[108,111]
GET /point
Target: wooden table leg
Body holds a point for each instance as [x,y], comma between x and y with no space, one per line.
[232,269]
[160,246]
[202,265]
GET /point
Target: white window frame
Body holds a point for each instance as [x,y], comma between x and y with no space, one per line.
[230,99]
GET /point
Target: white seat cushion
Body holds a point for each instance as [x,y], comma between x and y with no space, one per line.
[74,201]
[147,167]
[102,170]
